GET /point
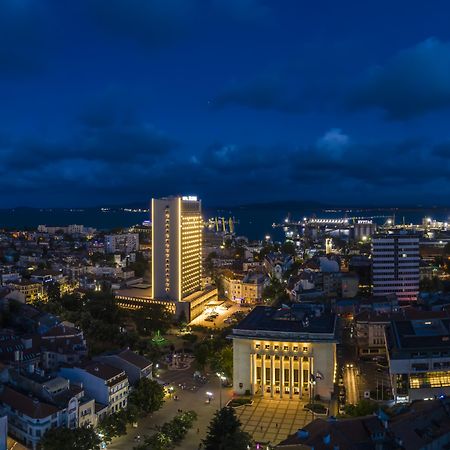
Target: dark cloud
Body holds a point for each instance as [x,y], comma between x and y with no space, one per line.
[403,163]
[412,83]
[152,23]
[107,132]
[237,159]
[263,94]
[22,30]
[300,85]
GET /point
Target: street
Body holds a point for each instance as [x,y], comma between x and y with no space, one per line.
[351,384]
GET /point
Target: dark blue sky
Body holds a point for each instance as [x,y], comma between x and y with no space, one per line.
[115,101]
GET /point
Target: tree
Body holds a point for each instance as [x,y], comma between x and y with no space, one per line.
[222,361]
[152,318]
[363,408]
[84,438]
[224,432]
[148,396]
[158,441]
[114,425]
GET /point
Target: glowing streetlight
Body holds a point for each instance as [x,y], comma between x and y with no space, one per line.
[222,378]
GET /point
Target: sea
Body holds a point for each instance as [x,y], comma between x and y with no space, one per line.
[253,221]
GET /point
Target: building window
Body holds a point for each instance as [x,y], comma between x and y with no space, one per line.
[305,349]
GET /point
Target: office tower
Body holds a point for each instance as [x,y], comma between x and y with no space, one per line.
[395,269]
[176,247]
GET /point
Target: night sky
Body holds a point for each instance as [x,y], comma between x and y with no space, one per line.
[237,101]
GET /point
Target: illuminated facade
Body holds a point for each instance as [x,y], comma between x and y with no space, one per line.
[419,358]
[176,247]
[177,227]
[285,353]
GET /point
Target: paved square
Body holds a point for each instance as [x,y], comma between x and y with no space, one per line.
[272,420]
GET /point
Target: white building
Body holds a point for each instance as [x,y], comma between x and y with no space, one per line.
[29,418]
[107,384]
[286,352]
[122,243]
[395,267]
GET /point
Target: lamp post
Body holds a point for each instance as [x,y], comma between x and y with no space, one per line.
[312,382]
[222,378]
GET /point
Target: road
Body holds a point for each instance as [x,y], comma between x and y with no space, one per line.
[351,385]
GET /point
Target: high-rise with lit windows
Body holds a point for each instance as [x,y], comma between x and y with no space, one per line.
[395,265]
[177,226]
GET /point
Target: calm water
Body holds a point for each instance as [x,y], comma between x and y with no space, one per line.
[253,221]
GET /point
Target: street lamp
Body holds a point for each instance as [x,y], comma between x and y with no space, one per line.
[222,378]
[312,382]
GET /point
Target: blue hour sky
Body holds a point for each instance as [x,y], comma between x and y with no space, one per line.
[116,101]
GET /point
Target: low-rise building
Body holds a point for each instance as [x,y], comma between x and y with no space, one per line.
[28,417]
[286,352]
[105,383]
[62,344]
[135,366]
[31,290]
[419,358]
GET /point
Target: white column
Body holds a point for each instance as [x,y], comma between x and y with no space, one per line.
[300,364]
[272,375]
[291,377]
[255,374]
[281,376]
[251,373]
[263,374]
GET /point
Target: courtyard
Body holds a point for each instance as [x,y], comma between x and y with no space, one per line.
[272,420]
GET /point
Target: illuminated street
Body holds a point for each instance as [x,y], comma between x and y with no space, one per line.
[351,384]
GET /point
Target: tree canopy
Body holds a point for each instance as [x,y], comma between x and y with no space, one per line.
[83,438]
[224,432]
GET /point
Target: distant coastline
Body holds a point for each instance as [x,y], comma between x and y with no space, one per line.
[255,220]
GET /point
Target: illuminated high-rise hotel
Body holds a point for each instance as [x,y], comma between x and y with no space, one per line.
[177,226]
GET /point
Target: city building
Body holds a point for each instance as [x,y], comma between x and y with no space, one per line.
[107,384]
[122,243]
[243,288]
[418,353]
[177,227]
[363,229]
[286,352]
[135,366]
[366,433]
[62,344]
[28,417]
[176,247]
[395,266]
[30,291]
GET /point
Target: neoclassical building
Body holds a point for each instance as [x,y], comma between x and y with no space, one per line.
[287,352]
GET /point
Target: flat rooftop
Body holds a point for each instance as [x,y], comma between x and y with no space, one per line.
[293,319]
[425,333]
[134,292]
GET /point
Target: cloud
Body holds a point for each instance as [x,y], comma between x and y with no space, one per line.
[152,23]
[414,82]
[333,141]
[264,93]
[22,29]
